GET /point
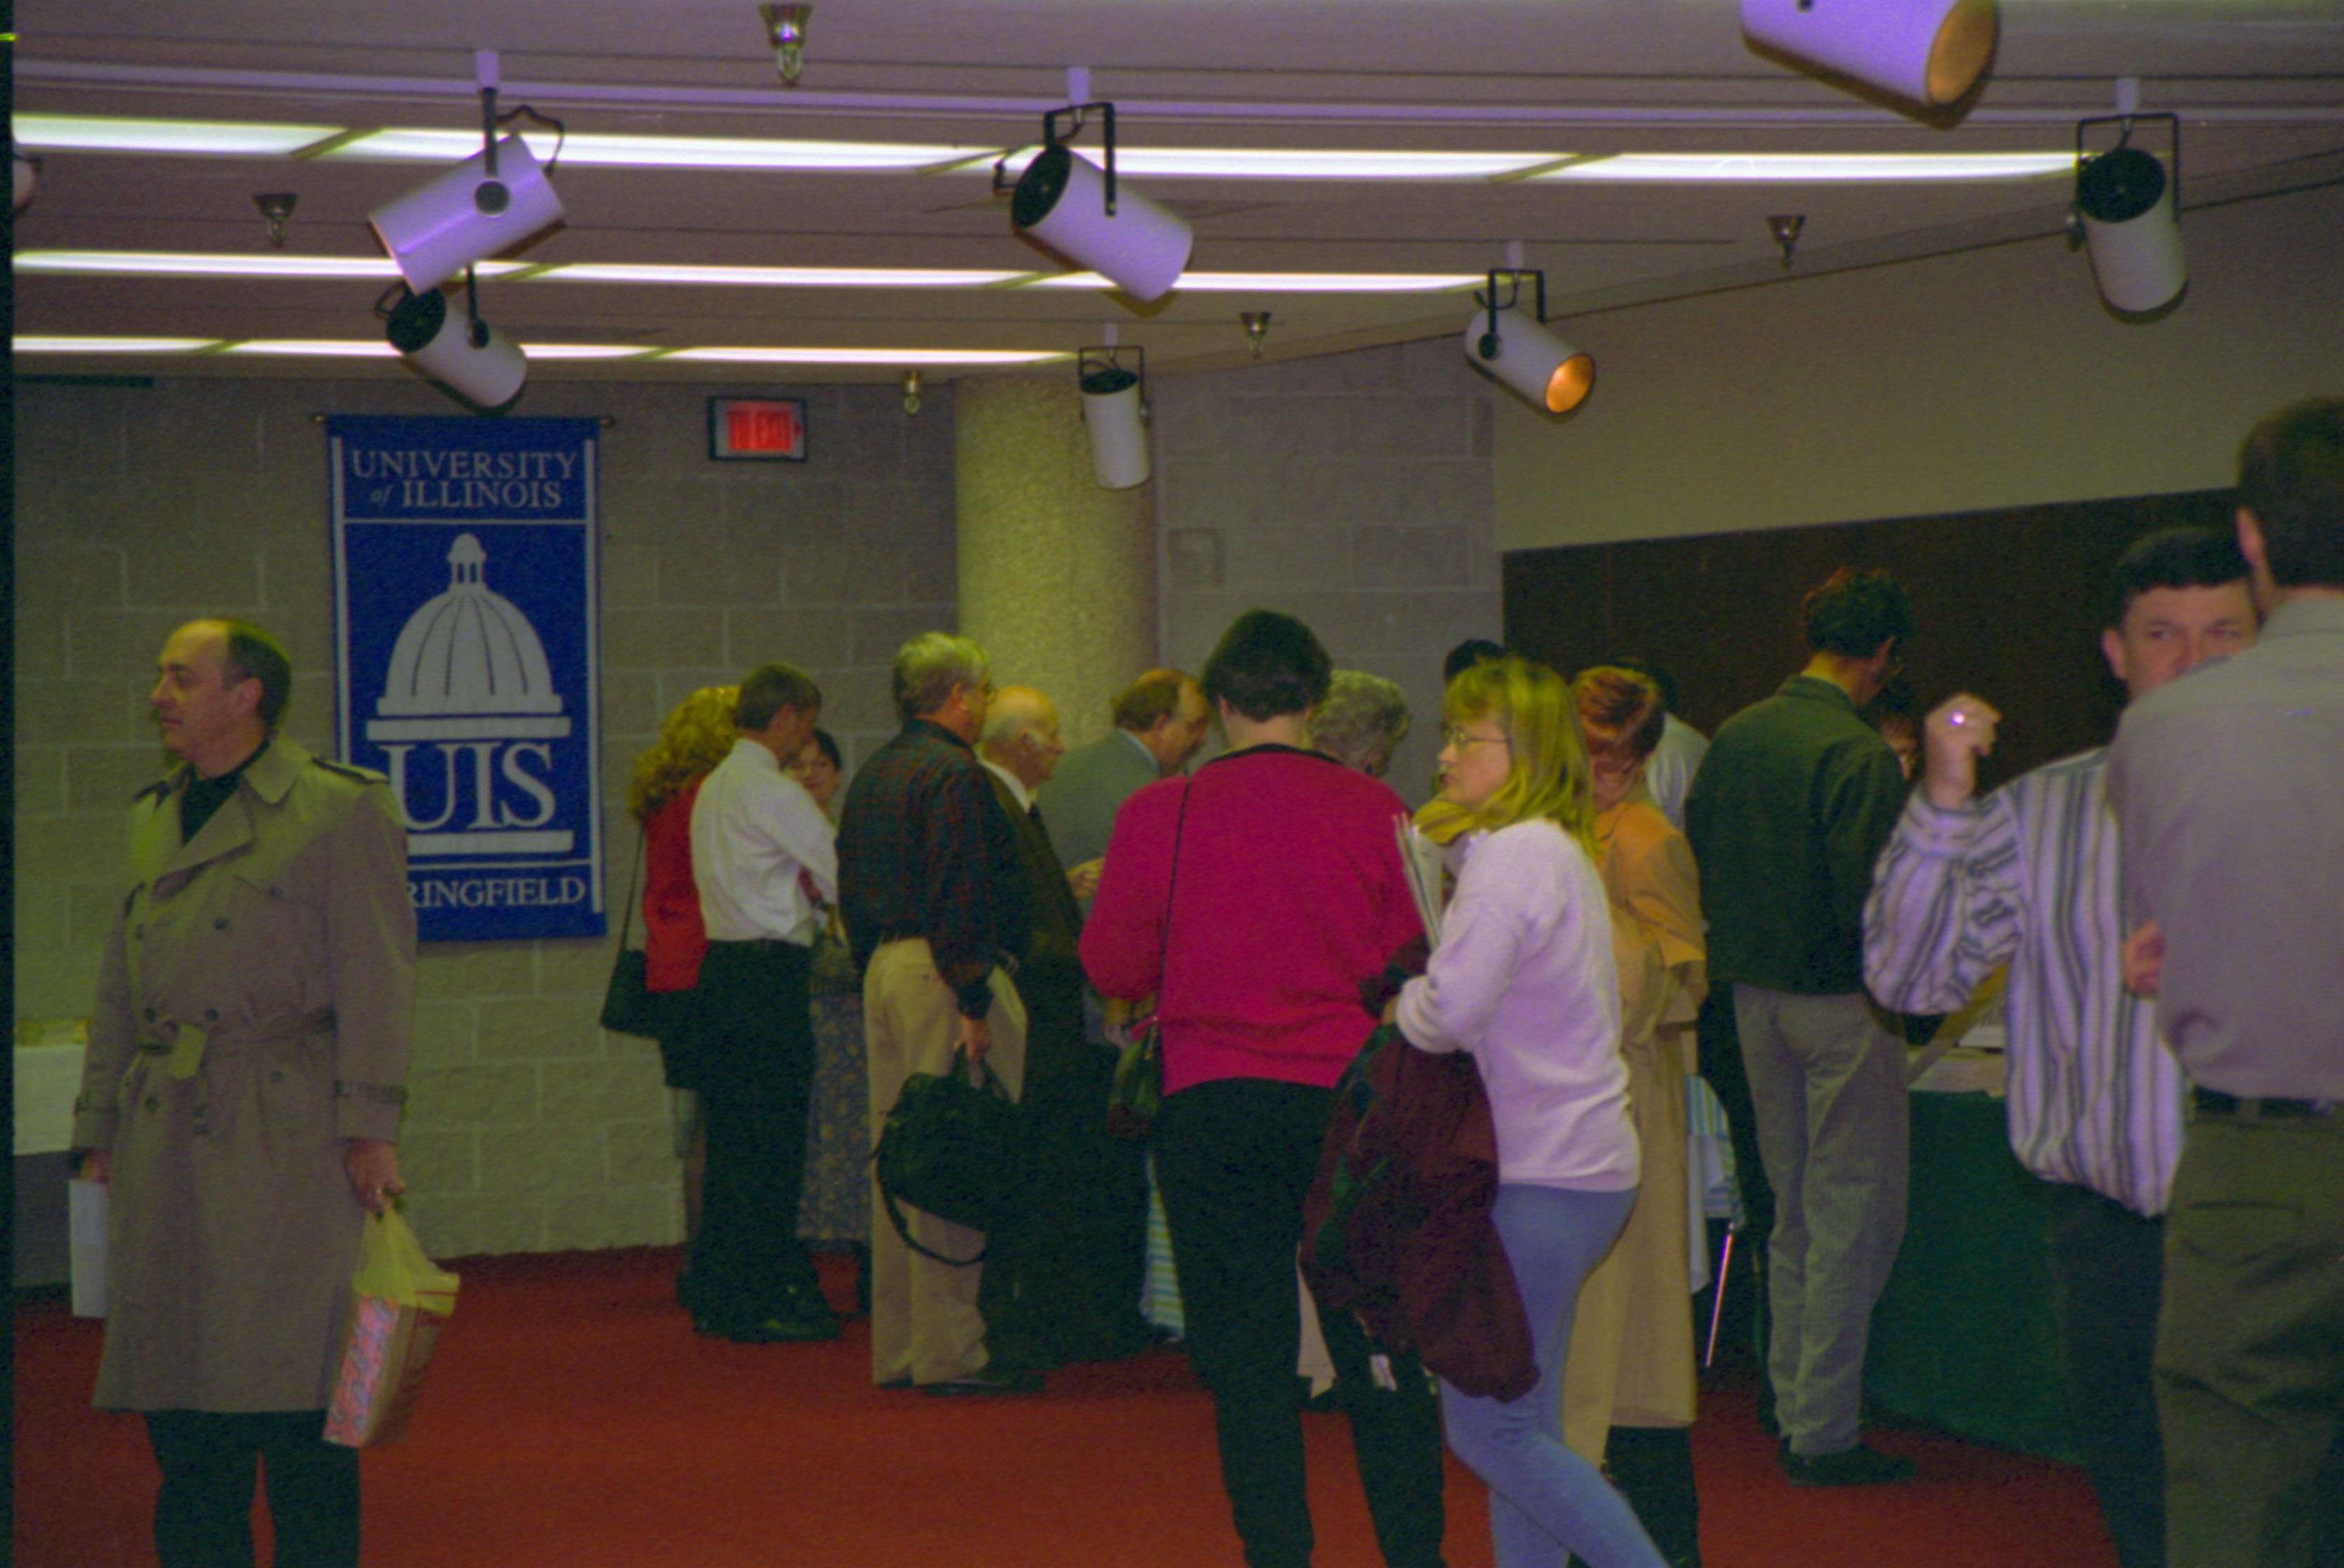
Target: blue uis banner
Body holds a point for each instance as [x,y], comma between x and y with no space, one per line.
[464,581]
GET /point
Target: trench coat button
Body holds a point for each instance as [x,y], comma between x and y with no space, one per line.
[153,1102]
[277,1075]
[211,1015]
[275,893]
[220,924]
[150,1015]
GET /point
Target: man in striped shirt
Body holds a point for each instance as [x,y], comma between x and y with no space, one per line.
[2028,876]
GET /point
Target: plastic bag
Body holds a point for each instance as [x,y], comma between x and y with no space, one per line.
[400,1301]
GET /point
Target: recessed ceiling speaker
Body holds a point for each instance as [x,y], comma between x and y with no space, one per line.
[1930,52]
[2128,208]
[465,214]
[470,358]
[1522,353]
[1115,417]
[1070,205]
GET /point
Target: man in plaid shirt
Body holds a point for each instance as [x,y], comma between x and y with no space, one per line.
[934,901]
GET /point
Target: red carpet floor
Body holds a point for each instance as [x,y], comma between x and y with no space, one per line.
[573,1419]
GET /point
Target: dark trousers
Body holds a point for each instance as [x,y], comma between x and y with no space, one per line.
[1081,1241]
[1719,1044]
[209,1461]
[2107,1273]
[756,1047]
[1234,1159]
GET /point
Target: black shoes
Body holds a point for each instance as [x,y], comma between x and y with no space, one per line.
[1857,1466]
[990,1381]
[803,1318]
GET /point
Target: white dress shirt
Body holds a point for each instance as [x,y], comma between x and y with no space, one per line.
[754,830]
[1018,790]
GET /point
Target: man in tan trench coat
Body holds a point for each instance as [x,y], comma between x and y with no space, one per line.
[244,1085]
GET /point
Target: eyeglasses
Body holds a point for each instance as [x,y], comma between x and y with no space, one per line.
[1457,740]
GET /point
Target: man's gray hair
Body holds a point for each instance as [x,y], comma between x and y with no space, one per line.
[928,666]
[1364,717]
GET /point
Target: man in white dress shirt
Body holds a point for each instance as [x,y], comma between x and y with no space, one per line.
[2027,876]
[761,855]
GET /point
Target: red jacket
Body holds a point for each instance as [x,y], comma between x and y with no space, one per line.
[1397,1227]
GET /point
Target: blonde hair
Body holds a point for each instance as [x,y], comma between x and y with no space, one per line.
[696,736]
[1546,775]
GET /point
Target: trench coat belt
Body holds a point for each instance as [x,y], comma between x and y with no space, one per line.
[185,1042]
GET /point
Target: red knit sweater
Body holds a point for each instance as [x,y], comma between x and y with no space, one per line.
[1289,894]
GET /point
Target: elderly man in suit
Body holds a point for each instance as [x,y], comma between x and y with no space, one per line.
[246,1060]
[1075,1293]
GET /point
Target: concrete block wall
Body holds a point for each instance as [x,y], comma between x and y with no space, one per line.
[140,508]
[1354,490]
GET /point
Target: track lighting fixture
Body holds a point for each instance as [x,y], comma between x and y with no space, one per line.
[1071,206]
[28,174]
[786,30]
[1115,414]
[911,391]
[2128,211]
[1257,328]
[1928,51]
[451,344]
[1786,227]
[489,203]
[1520,353]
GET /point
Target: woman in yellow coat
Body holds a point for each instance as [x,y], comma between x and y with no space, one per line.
[1629,1381]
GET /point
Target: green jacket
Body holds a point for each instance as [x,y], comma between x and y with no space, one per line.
[1787,815]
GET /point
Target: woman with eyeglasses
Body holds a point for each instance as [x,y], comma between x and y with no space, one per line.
[1523,978]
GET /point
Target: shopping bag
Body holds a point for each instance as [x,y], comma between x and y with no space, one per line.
[400,1301]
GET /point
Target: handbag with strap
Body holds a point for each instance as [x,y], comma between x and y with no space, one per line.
[1136,1095]
[629,1006]
[949,1147]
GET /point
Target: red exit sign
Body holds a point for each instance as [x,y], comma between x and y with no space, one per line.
[757,429]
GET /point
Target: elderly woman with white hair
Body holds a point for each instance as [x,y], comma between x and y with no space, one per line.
[1361,722]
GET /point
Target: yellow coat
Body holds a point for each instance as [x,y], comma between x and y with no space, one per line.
[253,1013]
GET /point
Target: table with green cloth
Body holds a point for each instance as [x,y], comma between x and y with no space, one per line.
[1963,1339]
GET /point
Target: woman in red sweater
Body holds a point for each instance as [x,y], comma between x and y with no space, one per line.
[696,736]
[1288,892]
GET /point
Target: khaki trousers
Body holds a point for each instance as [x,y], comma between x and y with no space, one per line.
[924,1322]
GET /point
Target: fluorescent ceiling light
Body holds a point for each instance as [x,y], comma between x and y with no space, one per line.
[416,146]
[317,347]
[1287,282]
[205,264]
[58,344]
[897,356]
[586,351]
[1696,168]
[1302,163]
[776,276]
[107,134]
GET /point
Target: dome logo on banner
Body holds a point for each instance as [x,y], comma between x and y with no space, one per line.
[465,572]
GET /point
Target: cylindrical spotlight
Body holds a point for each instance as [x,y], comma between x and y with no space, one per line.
[1524,354]
[1929,51]
[1117,426]
[1061,201]
[28,177]
[2132,230]
[438,338]
[437,230]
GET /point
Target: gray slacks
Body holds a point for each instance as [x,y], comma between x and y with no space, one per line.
[1827,1084]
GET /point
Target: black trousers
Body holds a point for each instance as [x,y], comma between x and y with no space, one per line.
[1718,1041]
[210,1460]
[2108,1278]
[756,1054]
[1080,1242]
[1234,1159]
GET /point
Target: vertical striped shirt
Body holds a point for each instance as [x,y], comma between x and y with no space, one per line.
[2028,877]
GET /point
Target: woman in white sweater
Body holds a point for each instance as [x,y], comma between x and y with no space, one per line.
[1523,978]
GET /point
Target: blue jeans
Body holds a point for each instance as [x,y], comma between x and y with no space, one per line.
[1545,1502]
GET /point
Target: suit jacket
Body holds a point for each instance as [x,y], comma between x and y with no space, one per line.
[1057,924]
[1089,788]
[252,1012]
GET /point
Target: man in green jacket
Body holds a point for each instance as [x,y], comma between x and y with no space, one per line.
[1787,815]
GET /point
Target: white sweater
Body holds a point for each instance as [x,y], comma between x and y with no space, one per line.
[1523,979]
